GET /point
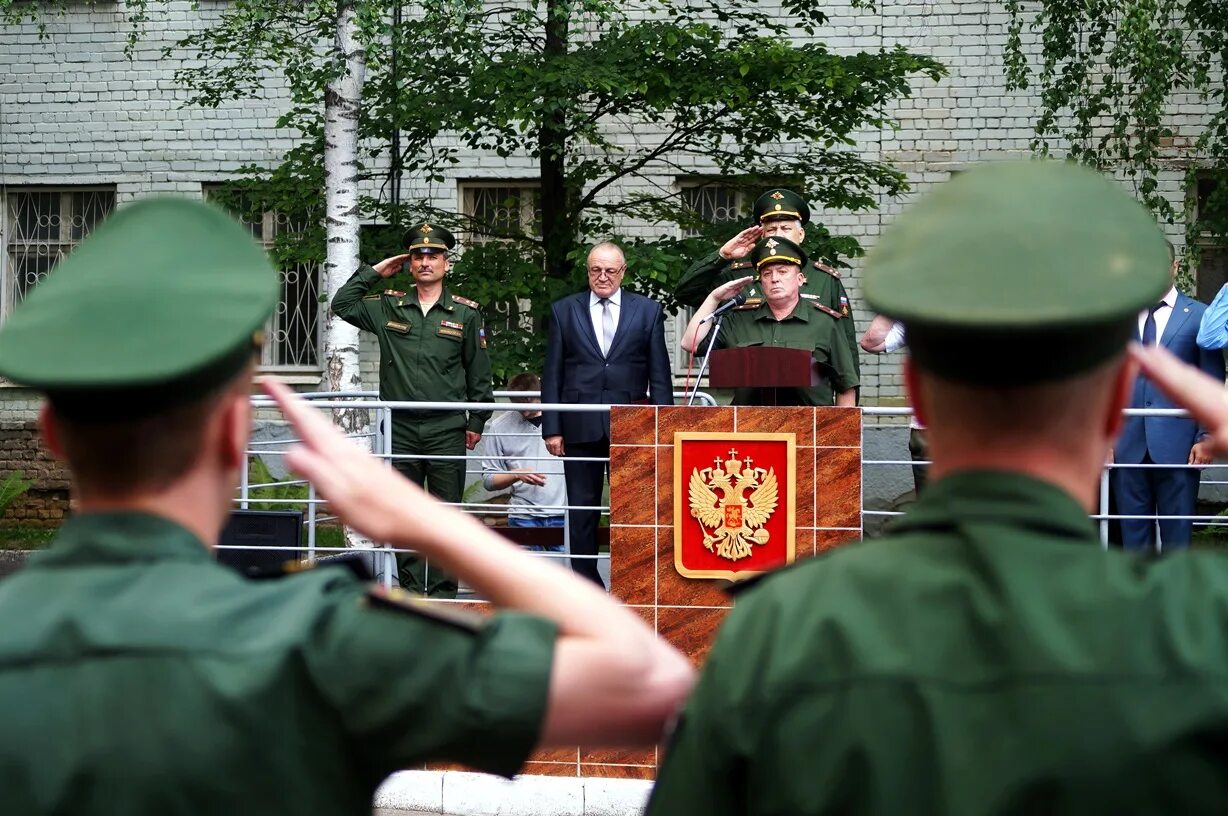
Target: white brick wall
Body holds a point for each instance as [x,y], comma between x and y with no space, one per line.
[74,110]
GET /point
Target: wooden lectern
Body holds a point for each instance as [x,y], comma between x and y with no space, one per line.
[765,367]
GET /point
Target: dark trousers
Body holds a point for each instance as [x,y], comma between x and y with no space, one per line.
[445,480]
[584,484]
[919,450]
[1160,492]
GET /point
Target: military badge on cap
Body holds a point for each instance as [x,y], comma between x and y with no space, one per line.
[429,238]
[781,204]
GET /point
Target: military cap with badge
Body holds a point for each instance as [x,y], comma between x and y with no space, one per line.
[122,328]
[427,237]
[777,250]
[1019,273]
[780,204]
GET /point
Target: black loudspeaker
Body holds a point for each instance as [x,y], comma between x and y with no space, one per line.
[261,528]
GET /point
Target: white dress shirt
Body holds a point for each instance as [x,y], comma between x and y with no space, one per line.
[594,313]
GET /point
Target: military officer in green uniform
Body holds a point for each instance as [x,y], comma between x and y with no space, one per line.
[986,656]
[781,317]
[777,214]
[139,676]
[432,349]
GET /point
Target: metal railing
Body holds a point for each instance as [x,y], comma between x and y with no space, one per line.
[378,438]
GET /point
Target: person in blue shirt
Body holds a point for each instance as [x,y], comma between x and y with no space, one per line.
[1213,331]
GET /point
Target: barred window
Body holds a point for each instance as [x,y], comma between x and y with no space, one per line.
[293,334]
[40,227]
[502,208]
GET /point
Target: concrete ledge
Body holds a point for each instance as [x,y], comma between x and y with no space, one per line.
[476,794]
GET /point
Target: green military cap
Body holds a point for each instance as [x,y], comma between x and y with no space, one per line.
[775,249]
[1019,272]
[781,204]
[159,305]
[429,238]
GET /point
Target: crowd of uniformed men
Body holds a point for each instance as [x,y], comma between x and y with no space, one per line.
[984,657]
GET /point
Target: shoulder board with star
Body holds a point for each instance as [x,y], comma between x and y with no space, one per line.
[822,267]
[406,603]
[354,563]
[741,265]
[393,293]
[472,304]
[751,303]
[826,309]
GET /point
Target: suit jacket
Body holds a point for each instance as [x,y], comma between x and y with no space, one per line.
[636,370]
[1168,439]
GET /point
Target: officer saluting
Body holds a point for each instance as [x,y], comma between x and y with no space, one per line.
[139,676]
[432,349]
[781,214]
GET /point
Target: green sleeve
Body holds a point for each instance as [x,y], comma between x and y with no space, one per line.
[477,371]
[699,280]
[848,329]
[350,303]
[408,687]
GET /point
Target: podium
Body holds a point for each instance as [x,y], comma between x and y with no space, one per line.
[768,368]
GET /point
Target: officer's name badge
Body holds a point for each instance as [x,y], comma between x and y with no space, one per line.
[397,326]
[446,332]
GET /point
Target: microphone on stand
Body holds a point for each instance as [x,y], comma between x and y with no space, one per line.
[733,303]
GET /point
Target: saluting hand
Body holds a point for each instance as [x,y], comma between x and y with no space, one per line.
[729,290]
[390,266]
[739,245]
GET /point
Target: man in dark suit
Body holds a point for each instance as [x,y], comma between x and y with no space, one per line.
[605,347]
[1163,440]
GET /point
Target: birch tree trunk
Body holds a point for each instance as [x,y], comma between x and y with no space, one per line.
[342,101]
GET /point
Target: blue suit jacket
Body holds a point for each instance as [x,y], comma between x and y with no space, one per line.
[1168,439]
[637,369]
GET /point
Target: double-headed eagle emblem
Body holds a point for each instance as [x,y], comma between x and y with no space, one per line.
[732,520]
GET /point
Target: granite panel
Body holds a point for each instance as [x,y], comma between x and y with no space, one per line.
[633,424]
[552,769]
[837,427]
[838,488]
[691,631]
[619,771]
[670,419]
[619,756]
[804,497]
[559,754]
[665,486]
[633,554]
[794,420]
[804,542]
[632,485]
[829,539]
[673,589]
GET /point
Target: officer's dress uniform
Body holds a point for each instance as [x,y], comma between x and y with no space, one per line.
[810,326]
[985,658]
[142,677]
[439,356]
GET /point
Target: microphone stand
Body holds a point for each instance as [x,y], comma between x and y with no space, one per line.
[716,329]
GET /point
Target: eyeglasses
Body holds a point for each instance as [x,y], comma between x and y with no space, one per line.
[596,272]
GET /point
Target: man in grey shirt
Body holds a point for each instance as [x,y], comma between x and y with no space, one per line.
[517,458]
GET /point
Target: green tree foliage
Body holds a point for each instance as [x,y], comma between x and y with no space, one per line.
[605,97]
[1107,75]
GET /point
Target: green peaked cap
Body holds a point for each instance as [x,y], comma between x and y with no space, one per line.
[774,249]
[781,203]
[161,303]
[428,238]
[1019,272]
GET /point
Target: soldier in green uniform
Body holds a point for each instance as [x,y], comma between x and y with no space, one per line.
[432,349]
[986,656]
[139,676]
[779,214]
[781,317]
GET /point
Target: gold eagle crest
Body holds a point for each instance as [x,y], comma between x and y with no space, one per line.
[732,521]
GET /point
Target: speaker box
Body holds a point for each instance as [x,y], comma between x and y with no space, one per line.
[261,528]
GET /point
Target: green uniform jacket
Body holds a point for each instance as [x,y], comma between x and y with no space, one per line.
[807,327]
[713,270]
[986,657]
[139,676]
[439,357]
